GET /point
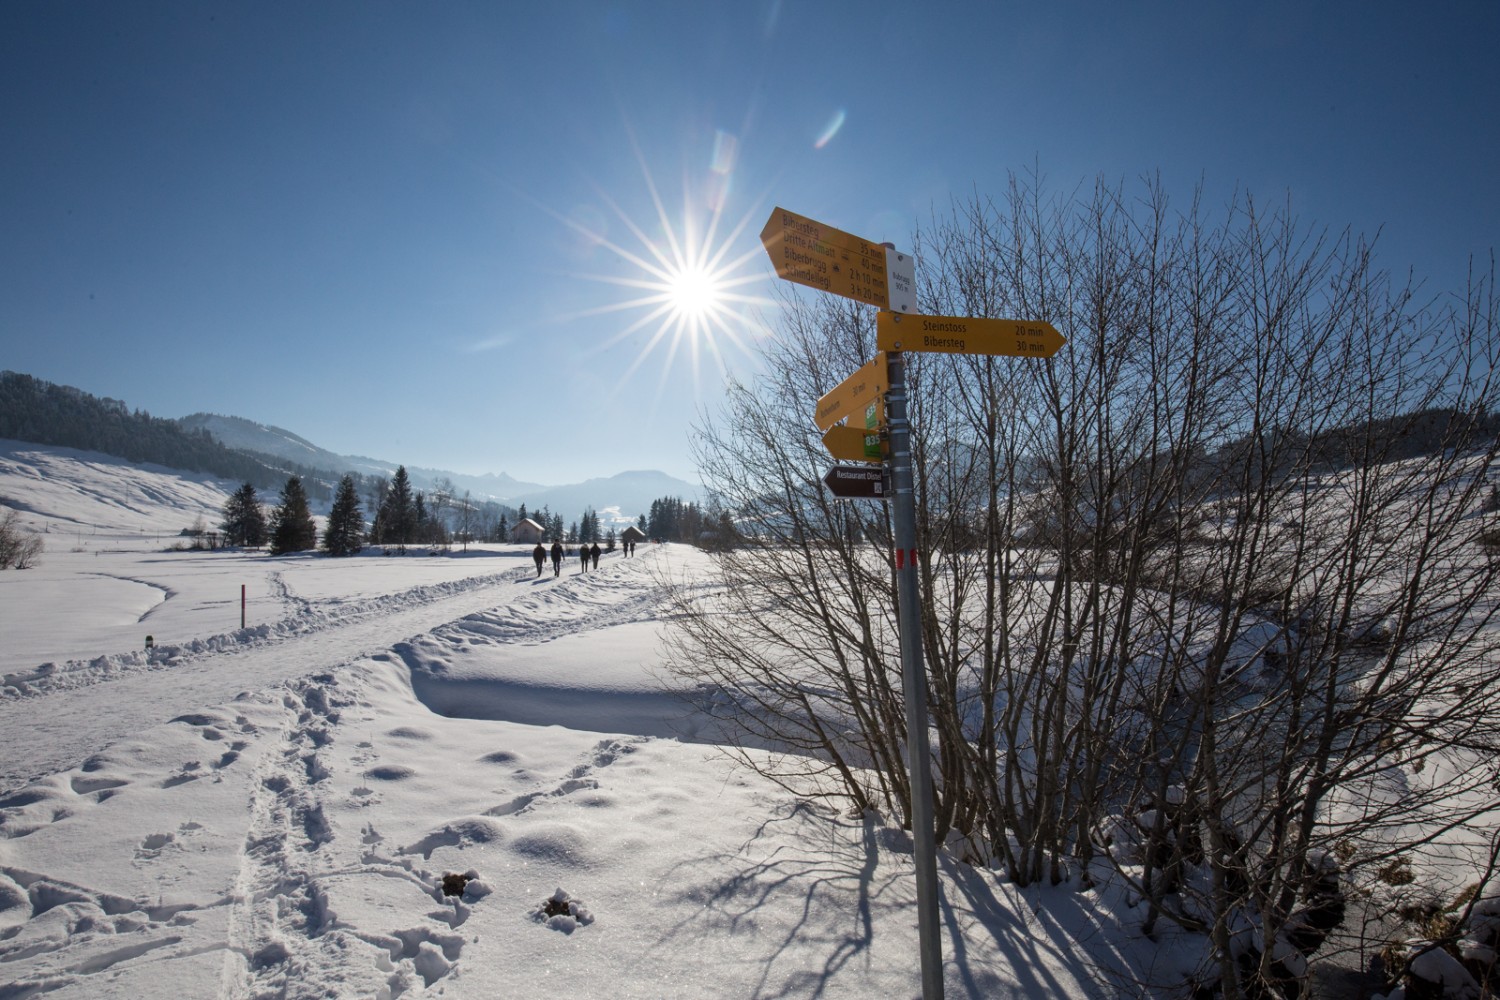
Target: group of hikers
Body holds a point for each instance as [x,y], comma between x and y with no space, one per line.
[586,553]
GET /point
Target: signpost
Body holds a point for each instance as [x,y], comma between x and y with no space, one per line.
[853,394]
[914,683]
[967,335]
[831,260]
[854,444]
[819,256]
[855,482]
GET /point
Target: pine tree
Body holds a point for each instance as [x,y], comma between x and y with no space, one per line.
[344,535]
[244,521]
[398,512]
[292,525]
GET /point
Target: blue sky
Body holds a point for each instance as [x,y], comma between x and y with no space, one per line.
[401,230]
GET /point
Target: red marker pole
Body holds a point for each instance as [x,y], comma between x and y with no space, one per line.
[242,605]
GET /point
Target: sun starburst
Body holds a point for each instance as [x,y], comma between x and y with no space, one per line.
[691,281]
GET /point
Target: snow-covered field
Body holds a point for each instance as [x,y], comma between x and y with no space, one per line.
[275,810]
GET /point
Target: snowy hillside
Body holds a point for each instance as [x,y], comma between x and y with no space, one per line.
[80,494]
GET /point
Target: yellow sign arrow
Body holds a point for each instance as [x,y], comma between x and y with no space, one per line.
[854,444]
[826,258]
[1021,338]
[853,394]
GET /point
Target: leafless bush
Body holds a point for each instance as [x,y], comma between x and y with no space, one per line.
[1242,589]
[19,548]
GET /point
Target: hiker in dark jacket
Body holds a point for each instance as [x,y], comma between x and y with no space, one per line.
[583,557]
[594,554]
[557,558]
[538,556]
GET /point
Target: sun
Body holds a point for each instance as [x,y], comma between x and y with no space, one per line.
[694,292]
[688,273]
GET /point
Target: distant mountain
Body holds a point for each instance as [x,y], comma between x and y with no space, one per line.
[632,492]
[43,413]
[268,439]
[247,435]
[243,450]
[491,485]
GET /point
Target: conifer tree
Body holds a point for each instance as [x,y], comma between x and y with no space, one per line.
[244,521]
[398,512]
[344,535]
[292,525]
[379,489]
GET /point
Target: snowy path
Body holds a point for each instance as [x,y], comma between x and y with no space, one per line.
[58,728]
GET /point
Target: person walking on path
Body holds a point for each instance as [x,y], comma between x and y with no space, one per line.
[583,557]
[538,556]
[594,554]
[557,558]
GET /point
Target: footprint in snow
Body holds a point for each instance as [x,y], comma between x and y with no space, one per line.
[154,844]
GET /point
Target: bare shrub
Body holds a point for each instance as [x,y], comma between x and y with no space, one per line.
[1219,552]
[19,548]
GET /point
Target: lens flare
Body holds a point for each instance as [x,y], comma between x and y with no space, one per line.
[832,130]
[689,281]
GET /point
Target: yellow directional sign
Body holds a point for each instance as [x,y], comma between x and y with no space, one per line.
[852,395]
[832,260]
[854,444]
[1022,338]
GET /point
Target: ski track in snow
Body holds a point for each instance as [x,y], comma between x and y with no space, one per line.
[309,617]
[569,604]
[506,607]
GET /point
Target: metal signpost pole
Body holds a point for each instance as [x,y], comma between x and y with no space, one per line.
[914,681]
[819,256]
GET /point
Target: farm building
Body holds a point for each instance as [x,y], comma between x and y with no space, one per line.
[528,531]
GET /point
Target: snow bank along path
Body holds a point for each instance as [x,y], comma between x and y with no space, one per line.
[114,696]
